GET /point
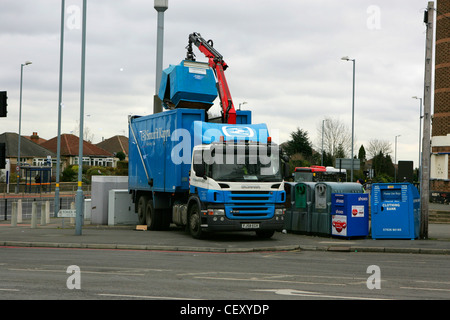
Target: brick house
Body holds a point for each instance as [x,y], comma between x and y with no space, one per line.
[31,153]
[115,144]
[92,154]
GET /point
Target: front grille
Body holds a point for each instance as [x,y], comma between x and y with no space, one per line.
[250,196]
[250,205]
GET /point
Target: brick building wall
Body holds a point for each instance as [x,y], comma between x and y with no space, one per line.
[441,115]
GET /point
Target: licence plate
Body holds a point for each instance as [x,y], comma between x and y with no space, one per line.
[250,225]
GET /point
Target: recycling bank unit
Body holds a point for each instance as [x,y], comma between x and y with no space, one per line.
[350,214]
[395,211]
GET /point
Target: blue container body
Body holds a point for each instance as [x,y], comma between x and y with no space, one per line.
[160,148]
[395,211]
[189,82]
[350,214]
[151,147]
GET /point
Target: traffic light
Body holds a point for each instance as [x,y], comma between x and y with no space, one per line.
[3,103]
[2,155]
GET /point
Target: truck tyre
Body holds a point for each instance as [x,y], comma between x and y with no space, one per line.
[264,234]
[141,209]
[152,217]
[194,222]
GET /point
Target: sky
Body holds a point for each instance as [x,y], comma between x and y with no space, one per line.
[284,62]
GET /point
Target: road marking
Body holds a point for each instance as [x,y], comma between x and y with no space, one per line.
[15,290]
[115,269]
[143,297]
[268,275]
[268,280]
[292,292]
[429,289]
[83,271]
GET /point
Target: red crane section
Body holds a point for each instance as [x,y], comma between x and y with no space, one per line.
[215,61]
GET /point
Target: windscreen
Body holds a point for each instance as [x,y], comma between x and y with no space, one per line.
[250,163]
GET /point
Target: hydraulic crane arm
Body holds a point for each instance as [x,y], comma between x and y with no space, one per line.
[215,61]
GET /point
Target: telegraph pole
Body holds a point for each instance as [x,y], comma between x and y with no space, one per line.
[426,143]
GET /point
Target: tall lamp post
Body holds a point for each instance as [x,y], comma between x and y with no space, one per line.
[79,195]
[160,6]
[395,158]
[353,108]
[58,146]
[20,124]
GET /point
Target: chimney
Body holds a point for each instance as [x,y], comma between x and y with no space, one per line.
[35,137]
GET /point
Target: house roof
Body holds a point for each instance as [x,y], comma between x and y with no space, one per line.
[115,144]
[69,147]
[28,149]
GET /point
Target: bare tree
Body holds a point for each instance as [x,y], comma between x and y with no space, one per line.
[87,134]
[376,146]
[337,138]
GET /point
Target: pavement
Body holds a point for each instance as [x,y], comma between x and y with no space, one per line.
[61,233]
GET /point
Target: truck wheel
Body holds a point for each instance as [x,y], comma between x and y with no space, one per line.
[141,209]
[151,216]
[265,234]
[194,222]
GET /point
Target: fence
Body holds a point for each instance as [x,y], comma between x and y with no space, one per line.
[65,202]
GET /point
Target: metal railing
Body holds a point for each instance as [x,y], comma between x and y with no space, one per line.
[66,201]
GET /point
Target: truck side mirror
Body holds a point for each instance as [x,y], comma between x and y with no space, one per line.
[199,169]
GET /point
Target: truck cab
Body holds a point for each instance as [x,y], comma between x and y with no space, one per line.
[236,184]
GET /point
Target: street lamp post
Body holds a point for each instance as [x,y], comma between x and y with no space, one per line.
[160,6]
[242,103]
[395,159]
[20,124]
[353,108]
[58,146]
[79,195]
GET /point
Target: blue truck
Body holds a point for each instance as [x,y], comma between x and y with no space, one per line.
[192,171]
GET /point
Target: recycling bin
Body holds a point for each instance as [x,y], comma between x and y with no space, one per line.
[321,214]
[289,187]
[303,206]
[350,214]
[395,211]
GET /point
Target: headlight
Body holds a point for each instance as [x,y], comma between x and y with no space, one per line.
[216,212]
[280,212]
